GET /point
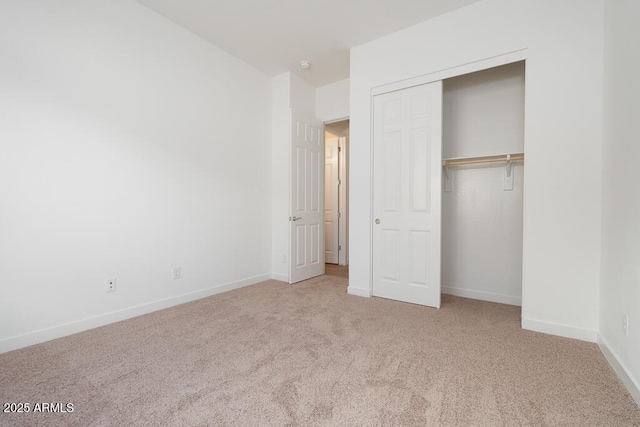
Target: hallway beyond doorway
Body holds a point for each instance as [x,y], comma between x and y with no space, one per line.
[336,270]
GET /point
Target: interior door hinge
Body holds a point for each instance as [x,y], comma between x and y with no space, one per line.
[339,149]
[339,247]
[339,214]
[339,182]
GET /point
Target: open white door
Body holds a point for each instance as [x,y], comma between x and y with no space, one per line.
[407,179]
[331,200]
[306,258]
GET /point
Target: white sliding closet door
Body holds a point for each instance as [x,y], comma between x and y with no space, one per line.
[407,183]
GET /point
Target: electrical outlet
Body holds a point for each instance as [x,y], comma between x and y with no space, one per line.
[176,273]
[111,284]
[625,324]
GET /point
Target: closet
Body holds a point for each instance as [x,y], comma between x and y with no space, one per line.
[482,199]
[448,181]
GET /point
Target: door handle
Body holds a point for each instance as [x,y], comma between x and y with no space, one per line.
[294,218]
[377,221]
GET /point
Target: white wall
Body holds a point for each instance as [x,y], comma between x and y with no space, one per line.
[303,96]
[620,280]
[563,42]
[129,146]
[332,101]
[280,128]
[483,114]
[288,91]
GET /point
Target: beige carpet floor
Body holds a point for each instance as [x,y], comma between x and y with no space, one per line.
[309,354]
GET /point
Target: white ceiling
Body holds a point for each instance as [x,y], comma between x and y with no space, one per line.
[275,35]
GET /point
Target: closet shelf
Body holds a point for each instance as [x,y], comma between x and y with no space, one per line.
[483,159]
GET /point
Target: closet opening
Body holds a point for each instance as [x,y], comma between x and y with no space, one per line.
[336,201]
[483,171]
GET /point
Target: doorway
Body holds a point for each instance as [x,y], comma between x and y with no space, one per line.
[482,201]
[336,214]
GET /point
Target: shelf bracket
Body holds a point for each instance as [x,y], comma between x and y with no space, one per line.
[448,180]
[508,178]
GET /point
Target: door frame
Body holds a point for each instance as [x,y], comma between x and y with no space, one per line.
[447,73]
[332,203]
[343,238]
[343,222]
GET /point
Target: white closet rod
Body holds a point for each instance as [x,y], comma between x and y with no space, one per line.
[484,159]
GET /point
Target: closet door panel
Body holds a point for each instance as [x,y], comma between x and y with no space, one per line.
[391,169]
[420,169]
[407,156]
[390,256]
[419,252]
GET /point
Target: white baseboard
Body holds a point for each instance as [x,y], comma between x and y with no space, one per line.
[360,292]
[42,335]
[481,295]
[631,383]
[280,277]
[558,329]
